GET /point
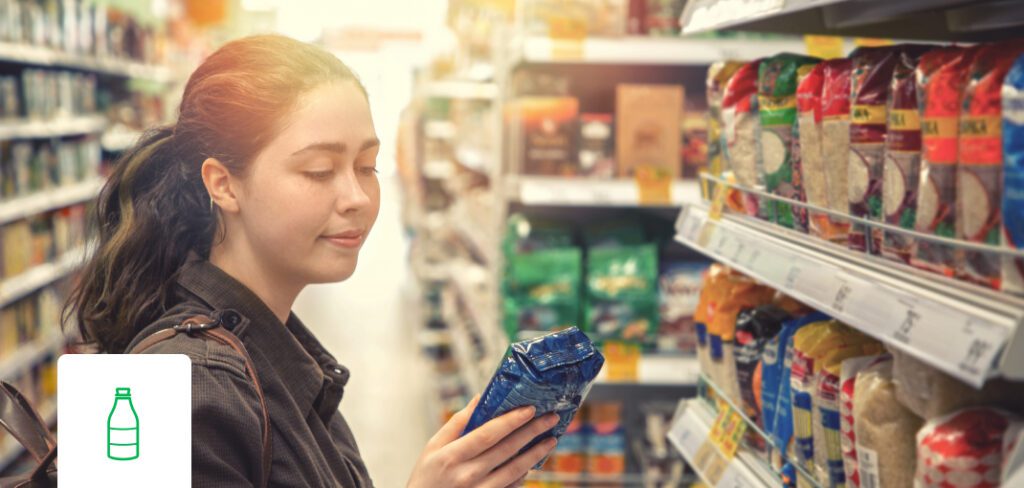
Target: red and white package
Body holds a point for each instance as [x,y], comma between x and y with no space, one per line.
[965,449]
[847,438]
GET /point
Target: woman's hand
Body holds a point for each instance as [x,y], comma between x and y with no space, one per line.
[486,457]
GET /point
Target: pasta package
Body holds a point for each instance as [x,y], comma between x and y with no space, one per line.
[980,174]
[1013,176]
[742,127]
[754,329]
[965,449]
[780,151]
[902,164]
[940,97]
[885,430]
[810,347]
[827,424]
[776,362]
[741,293]
[869,94]
[835,134]
[553,373]
[812,163]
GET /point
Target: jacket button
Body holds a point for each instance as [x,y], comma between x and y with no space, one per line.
[231,318]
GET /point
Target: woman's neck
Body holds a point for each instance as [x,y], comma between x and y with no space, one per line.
[240,263]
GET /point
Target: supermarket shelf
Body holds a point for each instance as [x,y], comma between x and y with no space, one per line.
[459,89]
[10,450]
[967,331]
[950,20]
[39,276]
[660,370]
[479,235]
[649,50]
[31,353]
[579,192]
[690,432]
[51,199]
[42,56]
[64,126]
[119,140]
[462,350]
[627,479]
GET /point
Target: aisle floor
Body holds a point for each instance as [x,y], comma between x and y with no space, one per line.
[368,326]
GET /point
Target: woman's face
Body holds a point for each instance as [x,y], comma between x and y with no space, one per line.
[309,200]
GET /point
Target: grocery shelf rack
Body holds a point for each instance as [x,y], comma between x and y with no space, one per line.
[63,126]
[51,199]
[15,287]
[47,57]
[968,331]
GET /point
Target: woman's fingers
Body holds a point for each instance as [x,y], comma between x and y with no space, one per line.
[508,447]
[488,435]
[520,466]
[452,429]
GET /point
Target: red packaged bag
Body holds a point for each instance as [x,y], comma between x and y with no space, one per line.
[835,133]
[742,127]
[979,191]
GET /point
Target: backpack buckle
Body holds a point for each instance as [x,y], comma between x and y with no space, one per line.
[195,324]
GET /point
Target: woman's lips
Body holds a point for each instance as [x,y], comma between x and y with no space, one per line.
[348,240]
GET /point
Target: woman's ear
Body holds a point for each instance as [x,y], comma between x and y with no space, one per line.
[219,184]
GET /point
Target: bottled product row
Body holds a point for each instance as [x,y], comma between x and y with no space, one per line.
[30,167]
[42,239]
[827,405]
[47,94]
[79,27]
[919,137]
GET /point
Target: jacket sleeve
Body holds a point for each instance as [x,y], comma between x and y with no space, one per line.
[226,427]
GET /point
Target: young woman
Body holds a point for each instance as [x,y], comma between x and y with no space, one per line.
[266,183]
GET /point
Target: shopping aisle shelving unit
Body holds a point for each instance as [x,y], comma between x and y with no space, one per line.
[643,51]
[968,332]
[64,126]
[51,199]
[46,57]
[15,287]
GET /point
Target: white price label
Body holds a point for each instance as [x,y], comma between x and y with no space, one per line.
[691,227]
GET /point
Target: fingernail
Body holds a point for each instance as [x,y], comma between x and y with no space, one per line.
[552,419]
[529,412]
[550,443]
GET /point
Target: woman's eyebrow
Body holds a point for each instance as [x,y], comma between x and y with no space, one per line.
[337,147]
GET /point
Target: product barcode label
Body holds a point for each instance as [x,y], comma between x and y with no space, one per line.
[867,460]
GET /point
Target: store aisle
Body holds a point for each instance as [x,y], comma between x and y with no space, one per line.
[366,324]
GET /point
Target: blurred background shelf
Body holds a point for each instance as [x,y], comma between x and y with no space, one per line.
[40,275]
[573,192]
[51,199]
[64,126]
[42,56]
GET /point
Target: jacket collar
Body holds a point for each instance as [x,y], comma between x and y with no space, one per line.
[289,349]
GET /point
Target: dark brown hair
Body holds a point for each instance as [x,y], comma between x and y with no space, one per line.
[154,209]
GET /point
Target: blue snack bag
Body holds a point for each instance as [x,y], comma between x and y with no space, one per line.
[1013,176]
[553,373]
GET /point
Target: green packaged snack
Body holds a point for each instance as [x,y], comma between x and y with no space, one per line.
[622,293]
[525,235]
[542,291]
[780,150]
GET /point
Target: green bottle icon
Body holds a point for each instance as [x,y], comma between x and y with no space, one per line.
[123,428]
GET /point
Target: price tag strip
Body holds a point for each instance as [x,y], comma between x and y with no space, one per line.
[691,434]
[960,340]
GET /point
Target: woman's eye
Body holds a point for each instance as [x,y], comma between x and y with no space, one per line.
[319,175]
[368,170]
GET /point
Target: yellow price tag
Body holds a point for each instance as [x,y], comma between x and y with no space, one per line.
[567,34]
[727,431]
[871,42]
[654,185]
[824,47]
[718,199]
[622,360]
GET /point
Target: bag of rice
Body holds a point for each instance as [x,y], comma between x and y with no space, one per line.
[827,427]
[979,176]
[1013,175]
[903,155]
[742,127]
[718,75]
[848,384]
[835,135]
[869,94]
[780,154]
[812,164]
[965,449]
[884,430]
[931,393]
[939,97]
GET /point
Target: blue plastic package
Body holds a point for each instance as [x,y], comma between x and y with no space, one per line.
[553,373]
[776,406]
[1013,175]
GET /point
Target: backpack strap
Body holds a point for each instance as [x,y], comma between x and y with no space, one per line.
[20,418]
[209,328]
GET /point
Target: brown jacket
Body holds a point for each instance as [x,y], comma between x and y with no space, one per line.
[303,384]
